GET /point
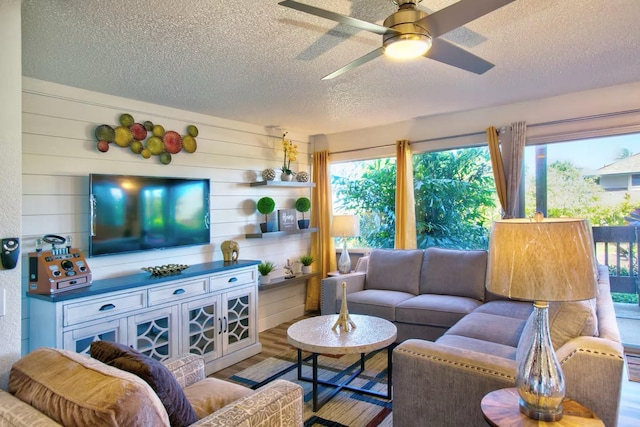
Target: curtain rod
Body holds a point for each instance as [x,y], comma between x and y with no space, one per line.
[501,129]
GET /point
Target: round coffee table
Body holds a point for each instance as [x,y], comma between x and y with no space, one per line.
[315,335]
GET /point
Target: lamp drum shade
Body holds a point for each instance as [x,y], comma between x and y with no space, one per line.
[549,260]
[345,226]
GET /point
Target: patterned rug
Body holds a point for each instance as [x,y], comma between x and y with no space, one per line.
[633,367]
[345,408]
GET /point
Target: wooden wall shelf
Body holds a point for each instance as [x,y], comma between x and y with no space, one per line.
[282,184]
[279,233]
[281,281]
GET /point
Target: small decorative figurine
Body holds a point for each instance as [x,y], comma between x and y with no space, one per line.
[230,250]
[344,321]
[288,270]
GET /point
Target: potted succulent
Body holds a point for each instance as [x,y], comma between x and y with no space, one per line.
[264,268]
[306,261]
[265,206]
[303,205]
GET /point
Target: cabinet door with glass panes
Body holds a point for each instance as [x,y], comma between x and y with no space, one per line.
[80,339]
[202,328]
[155,333]
[239,315]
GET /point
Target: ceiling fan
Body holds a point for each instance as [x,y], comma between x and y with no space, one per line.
[410,32]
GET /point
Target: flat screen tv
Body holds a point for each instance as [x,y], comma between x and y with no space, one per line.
[138,213]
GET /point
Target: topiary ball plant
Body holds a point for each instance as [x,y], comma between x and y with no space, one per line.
[303,205]
[265,206]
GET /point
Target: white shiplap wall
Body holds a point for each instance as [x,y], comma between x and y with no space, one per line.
[59,152]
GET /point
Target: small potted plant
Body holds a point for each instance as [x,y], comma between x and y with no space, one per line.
[306,261]
[290,151]
[303,205]
[265,206]
[264,268]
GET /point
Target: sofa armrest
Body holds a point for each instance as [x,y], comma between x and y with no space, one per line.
[14,412]
[439,385]
[186,368]
[593,369]
[278,403]
[331,290]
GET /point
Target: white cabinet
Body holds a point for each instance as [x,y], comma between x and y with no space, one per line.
[212,314]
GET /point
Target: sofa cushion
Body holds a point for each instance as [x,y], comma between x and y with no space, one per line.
[209,395]
[435,310]
[375,302]
[570,319]
[508,308]
[478,345]
[454,272]
[395,270]
[160,379]
[487,327]
[74,389]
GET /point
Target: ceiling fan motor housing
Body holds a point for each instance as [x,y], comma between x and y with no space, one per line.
[404,23]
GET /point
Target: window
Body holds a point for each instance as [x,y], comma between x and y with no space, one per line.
[593,179]
[454,192]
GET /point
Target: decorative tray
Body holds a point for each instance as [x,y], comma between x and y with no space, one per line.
[165,270]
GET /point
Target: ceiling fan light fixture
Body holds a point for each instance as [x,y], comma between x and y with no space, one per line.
[407,46]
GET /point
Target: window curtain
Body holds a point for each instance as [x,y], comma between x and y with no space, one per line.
[498,167]
[405,200]
[322,246]
[506,161]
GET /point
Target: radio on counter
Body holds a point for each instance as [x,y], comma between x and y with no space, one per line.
[60,269]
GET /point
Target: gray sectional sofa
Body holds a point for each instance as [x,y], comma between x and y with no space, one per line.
[459,342]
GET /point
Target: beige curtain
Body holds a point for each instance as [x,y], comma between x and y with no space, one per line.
[506,160]
[497,166]
[405,200]
[322,247]
[514,167]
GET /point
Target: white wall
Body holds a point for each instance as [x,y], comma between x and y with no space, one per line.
[473,123]
[59,152]
[10,171]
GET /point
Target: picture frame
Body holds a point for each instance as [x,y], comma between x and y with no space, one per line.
[287,219]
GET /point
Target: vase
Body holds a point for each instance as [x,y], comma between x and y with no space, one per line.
[265,280]
[306,269]
[303,223]
[286,176]
[268,227]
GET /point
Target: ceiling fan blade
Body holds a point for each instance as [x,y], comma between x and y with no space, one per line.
[350,66]
[458,14]
[342,19]
[450,54]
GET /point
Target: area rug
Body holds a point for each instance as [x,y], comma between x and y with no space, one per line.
[633,366]
[345,408]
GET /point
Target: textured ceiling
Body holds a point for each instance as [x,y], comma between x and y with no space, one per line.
[261,63]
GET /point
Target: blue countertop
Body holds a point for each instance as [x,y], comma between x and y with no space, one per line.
[143,279]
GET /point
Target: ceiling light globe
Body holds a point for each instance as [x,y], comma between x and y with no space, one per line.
[407,46]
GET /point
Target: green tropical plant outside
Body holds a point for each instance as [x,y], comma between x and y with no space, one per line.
[306,260]
[454,194]
[266,267]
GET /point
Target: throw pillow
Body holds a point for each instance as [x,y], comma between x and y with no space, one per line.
[567,320]
[454,272]
[76,390]
[160,379]
[394,270]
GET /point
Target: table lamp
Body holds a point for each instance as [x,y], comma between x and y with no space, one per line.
[345,226]
[541,260]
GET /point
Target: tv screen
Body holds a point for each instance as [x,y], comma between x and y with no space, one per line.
[138,213]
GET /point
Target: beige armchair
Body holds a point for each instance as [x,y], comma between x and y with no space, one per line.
[53,387]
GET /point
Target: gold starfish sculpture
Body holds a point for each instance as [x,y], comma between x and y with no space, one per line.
[344,321]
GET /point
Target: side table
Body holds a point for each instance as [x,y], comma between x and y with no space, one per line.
[500,409]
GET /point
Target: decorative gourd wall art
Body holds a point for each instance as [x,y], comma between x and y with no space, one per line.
[146,139]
